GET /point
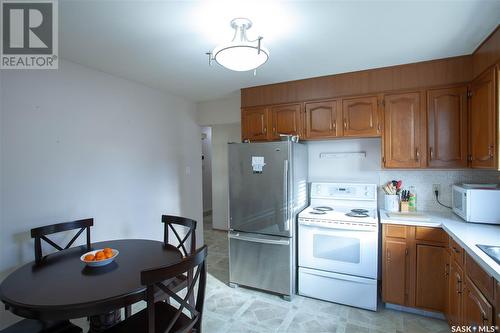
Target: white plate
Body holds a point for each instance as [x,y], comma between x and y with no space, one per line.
[100,262]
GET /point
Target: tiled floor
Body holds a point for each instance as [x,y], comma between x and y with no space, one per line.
[245,310]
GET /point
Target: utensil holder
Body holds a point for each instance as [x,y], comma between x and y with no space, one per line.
[391,202]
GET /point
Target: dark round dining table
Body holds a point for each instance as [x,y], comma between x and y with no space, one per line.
[62,287]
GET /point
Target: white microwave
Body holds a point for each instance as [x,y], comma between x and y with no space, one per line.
[479,203]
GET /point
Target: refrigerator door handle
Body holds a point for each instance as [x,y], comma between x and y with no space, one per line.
[258,240]
[285,182]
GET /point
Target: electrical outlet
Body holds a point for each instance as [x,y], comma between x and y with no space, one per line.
[436,187]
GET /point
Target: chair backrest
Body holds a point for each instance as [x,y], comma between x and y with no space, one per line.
[157,277]
[41,233]
[169,223]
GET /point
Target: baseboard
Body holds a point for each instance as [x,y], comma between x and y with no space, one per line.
[430,314]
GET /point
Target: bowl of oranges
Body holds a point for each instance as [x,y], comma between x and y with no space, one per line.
[100,257]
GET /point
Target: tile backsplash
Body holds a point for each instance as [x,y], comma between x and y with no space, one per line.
[353,168]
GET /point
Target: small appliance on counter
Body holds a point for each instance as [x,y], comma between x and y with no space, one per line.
[479,203]
[338,244]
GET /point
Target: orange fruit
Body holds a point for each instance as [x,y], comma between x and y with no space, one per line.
[108,254]
[100,255]
[89,257]
[108,249]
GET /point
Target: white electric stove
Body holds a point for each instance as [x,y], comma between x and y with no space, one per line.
[338,244]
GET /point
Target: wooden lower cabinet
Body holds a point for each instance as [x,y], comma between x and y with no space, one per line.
[394,271]
[455,291]
[477,311]
[431,277]
[425,268]
[414,267]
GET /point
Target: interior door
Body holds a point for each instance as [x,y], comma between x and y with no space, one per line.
[258,199]
[447,127]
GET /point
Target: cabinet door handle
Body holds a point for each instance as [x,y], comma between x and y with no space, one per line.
[490,151]
[331,126]
[345,124]
[335,125]
[459,286]
[274,130]
[378,127]
[446,267]
[265,130]
[431,153]
[417,154]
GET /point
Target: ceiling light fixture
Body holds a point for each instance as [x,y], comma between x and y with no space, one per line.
[241,54]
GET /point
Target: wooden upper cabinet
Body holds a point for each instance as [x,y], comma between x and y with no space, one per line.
[285,119]
[483,121]
[254,123]
[477,311]
[447,128]
[361,116]
[321,120]
[402,126]
[431,279]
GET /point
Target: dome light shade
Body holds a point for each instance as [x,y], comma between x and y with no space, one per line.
[240,54]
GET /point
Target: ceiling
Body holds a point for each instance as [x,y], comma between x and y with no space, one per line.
[163,43]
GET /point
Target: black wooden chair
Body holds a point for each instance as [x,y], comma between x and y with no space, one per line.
[41,233]
[174,224]
[165,318]
[170,223]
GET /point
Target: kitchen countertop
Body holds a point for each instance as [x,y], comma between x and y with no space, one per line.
[468,235]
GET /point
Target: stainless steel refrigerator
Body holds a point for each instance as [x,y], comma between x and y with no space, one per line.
[267,189]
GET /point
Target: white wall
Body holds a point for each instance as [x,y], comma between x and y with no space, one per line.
[79,143]
[206,165]
[221,111]
[223,115]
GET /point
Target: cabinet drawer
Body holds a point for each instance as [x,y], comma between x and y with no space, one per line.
[436,235]
[484,282]
[457,252]
[395,231]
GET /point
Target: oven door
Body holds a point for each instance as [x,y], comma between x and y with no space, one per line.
[352,252]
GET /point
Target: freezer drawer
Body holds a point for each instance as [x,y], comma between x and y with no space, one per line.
[339,288]
[261,261]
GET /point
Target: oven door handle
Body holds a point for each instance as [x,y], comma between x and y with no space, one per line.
[347,229]
[337,276]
